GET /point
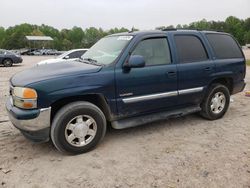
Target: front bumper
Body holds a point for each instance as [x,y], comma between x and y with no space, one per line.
[32,122]
[18,60]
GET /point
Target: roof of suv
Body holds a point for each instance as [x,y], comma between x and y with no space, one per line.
[135,33]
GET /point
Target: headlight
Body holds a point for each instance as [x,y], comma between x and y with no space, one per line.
[25,98]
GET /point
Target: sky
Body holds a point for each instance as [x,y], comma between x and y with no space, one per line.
[141,14]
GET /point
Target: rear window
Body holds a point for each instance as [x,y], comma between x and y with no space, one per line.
[190,49]
[224,46]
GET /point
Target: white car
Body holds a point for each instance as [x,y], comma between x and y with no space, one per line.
[69,55]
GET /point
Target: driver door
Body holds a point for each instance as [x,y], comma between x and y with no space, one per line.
[150,88]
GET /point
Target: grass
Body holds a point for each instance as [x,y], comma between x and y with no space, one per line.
[248,62]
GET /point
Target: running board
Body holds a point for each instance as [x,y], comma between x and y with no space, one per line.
[136,121]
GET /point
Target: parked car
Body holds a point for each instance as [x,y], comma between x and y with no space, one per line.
[8,58]
[69,55]
[28,51]
[36,52]
[53,52]
[127,80]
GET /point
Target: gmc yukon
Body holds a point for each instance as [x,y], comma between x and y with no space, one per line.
[126,80]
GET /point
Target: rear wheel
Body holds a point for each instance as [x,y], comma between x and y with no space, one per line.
[78,127]
[216,102]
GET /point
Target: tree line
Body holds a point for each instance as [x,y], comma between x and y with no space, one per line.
[14,37]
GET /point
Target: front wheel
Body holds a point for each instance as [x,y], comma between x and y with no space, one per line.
[216,102]
[78,127]
[7,62]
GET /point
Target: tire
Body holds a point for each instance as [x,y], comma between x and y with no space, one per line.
[7,62]
[216,102]
[78,127]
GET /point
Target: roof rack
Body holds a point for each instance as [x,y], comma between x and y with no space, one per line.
[189,29]
[169,29]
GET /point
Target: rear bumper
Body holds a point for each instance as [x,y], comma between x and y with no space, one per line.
[238,87]
[35,124]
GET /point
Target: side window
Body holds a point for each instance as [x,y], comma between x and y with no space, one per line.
[74,55]
[155,51]
[190,49]
[224,46]
[81,52]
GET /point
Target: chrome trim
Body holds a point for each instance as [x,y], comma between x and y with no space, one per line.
[42,121]
[150,97]
[192,90]
[162,95]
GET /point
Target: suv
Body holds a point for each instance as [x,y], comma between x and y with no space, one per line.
[127,79]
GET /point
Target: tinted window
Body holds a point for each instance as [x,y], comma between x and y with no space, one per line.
[75,54]
[81,52]
[155,51]
[224,46]
[190,49]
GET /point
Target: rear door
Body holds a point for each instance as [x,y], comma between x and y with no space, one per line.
[195,67]
[229,58]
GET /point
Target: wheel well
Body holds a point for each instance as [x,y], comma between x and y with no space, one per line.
[95,99]
[7,59]
[228,82]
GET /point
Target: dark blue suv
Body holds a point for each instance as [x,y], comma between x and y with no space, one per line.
[127,79]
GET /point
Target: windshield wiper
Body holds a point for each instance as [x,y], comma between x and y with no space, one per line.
[90,61]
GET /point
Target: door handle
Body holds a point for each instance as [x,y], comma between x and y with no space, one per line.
[208,69]
[171,74]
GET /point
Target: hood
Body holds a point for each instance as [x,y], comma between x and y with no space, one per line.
[50,71]
[56,60]
[49,61]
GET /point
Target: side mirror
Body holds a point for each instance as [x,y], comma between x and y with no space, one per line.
[66,57]
[135,61]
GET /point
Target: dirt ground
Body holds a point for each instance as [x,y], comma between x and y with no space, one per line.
[183,152]
[247,53]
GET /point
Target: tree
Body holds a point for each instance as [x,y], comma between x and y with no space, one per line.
[2,35]
[247,37]
[235,26]
[76,35]
[65,39]
[92,35]
[202,25]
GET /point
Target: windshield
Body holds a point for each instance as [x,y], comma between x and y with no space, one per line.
[106,50]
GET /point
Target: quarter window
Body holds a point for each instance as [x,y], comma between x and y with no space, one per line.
[155,51]
[190,49]
[224,46]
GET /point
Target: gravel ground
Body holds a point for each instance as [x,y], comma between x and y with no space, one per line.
[182,152]
[247,53]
